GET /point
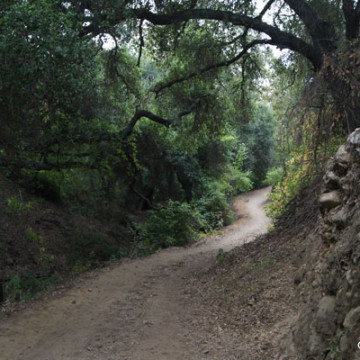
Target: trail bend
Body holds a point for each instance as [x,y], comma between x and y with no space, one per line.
[138,310]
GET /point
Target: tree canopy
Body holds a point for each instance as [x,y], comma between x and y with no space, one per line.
[143,95]
[168,109]
[319,31]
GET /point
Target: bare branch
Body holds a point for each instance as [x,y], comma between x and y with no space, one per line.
[142,43]
[153,117]
[234,40]
[265,9]
[144,198]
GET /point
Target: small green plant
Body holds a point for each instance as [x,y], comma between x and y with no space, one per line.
[24,286]
[334,348]
[17,207]
[264,264]
[221,255]
[33,237]
[13,289]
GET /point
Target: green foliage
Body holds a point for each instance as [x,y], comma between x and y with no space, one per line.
[240,181]
[274,176]
[300,171]
[221,255]
[18,207]
[24,286]
[335,352]
[213,208]
[40,52]
[258,135]
[175,225]
[33,237]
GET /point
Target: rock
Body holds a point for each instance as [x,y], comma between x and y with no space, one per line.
[329,200]
[331,181]
[315,345]
[330,165]
[352,277]
[340,217]
[299,276]
[342,156]
[352,318]
[344,343]
[354,137]
[325,316]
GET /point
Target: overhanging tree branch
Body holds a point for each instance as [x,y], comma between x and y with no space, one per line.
[280,38]
[265,9]
[321,32]
[142,42]
[161,86]
[153,117]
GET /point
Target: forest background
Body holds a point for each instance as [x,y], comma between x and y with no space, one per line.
[144,119]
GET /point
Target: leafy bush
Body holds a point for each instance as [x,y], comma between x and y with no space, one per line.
[299,174]
[25,286]
[18,207]
[175,225]
[300,171]
[274,176]
[240,181]
[33,237]
[213,208]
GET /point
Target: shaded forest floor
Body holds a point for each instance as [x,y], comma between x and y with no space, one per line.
[205,301]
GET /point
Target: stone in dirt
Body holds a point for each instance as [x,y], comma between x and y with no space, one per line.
[354,137]
[342,156]
[329,200]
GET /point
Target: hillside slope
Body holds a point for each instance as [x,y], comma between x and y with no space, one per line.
[328,326]
[42,243]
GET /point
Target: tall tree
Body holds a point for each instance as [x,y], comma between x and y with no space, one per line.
[326,33]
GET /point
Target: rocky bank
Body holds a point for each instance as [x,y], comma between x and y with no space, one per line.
[328,282]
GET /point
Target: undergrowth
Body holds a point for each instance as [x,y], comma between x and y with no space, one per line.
[23,287]
[296,174]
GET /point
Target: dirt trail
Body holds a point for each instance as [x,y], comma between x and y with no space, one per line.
[138,310]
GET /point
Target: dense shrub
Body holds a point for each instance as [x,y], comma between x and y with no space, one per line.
[213,208]
[274,176]
[175,225]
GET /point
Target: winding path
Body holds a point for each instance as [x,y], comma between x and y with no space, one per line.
[137,310]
